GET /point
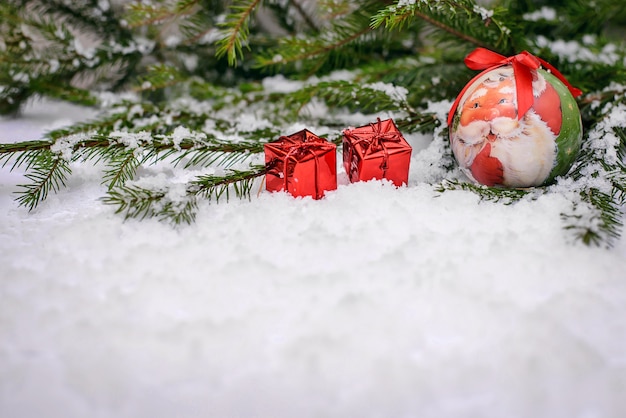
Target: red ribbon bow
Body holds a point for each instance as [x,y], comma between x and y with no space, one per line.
[309,145]
[377,139]
[376,142]
[523,65]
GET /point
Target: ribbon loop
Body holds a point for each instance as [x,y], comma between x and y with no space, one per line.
[300,146]
[375,142]
[524,64]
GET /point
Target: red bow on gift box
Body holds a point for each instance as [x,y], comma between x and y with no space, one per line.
[297,152]
[523,65]
[375,142]
[289,158]
[376,151]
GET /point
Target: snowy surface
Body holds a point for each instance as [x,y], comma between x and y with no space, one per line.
[373,302]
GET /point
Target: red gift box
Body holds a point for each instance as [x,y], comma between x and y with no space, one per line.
[302,163]
[376,151]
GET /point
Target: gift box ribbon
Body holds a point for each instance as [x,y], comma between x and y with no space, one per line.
[376,142]
[523,65]
[297,150]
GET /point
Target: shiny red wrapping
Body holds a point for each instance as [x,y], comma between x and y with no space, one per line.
[376,151]
[302,164]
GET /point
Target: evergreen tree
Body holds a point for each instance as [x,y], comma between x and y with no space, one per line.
[183,72]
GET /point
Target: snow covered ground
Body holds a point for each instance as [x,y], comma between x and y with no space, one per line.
[373,302]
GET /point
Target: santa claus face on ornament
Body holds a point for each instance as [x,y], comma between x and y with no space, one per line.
[492,145]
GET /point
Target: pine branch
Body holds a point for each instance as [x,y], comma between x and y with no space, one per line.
[44,57]
[103,124]
[505,196]
[121,164]
[87,15]
[305,16]
[235,30]
[141,203]
[368,98]
[159,77]
[226,154]
[197,27]
[178,203]
[10,150]
[239,182]
[46,161]
[310,50]
[145,14]
[342,43]
[599,179]
[48,172]
[463,19]
[595,219]
[432,76]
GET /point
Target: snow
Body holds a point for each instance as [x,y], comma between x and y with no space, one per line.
[484,13]
[372,302]
[545,13]
[574,51]
[397,93]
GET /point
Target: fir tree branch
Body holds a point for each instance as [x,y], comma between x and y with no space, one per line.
[459,18]
[86,15]
[7,150]
[454,32]
[235,30]
[46,161]
[159,77]
[142,14]
[48,173]
[320,50]
[309,50]
[122,164]
[304,15]
[599,179]
[369,98]
[44,56]
[341,42]
[179,204]
[506,196]
[595,219]
[240,182]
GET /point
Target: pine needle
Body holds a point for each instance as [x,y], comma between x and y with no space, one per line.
[235,30]
[47,172]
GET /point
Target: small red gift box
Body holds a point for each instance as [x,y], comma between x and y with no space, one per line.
[302,163]
[376,151]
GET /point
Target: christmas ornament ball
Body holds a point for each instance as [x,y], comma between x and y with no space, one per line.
[495,146]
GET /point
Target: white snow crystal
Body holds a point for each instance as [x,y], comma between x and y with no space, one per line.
[181,133]
[85,51]
[53,65]
[280,84]
[21,77]
[65,145]
[484,13]
[397,93]
[133,140]
[545,13]
[574,51]
[104,5]
[172,40]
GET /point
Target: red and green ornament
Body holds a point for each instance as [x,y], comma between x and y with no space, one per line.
[516,124]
